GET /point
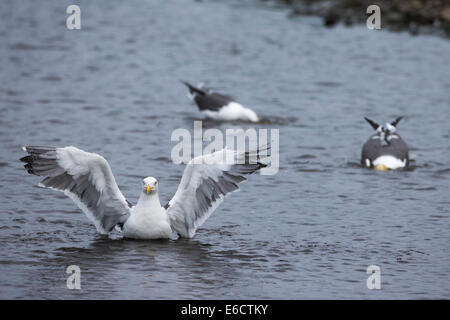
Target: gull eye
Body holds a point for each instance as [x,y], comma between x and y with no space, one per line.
[156,182]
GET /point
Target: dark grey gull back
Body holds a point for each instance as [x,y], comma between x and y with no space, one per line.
[373,149]
[207,100]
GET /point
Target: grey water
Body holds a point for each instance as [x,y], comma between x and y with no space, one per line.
[308,232]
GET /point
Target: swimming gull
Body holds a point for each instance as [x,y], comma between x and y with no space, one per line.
[88,180]
[218,106]
[385,149]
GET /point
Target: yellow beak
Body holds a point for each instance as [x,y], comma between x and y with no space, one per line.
[149,188]
[381,167]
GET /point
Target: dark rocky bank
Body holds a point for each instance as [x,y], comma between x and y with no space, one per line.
[416,16]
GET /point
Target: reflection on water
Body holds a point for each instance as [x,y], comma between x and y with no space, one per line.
[308,232]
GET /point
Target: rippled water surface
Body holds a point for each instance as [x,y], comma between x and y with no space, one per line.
[308,232]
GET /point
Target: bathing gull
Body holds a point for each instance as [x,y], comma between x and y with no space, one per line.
[385,149]
[88,180]
[218,106]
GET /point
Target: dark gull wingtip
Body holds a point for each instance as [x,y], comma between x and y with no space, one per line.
[396,121]
[193,89]
[374,125]
[27,159]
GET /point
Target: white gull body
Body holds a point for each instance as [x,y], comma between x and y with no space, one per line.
[231,112]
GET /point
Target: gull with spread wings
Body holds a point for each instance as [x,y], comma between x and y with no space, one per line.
[88,180]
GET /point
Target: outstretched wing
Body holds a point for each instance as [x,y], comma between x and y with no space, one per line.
[85,177]
[206,181]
